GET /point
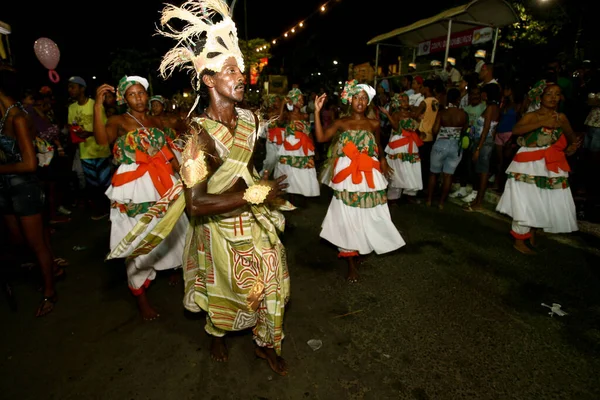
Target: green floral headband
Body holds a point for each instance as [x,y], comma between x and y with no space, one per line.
[396,99]
[125,83]
[535,94]
[294,95]
[352,88]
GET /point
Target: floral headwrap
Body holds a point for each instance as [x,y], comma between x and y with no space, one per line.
[352,88]
[535,94]
[396,99]
[294,95]
[125,83]
[269,99]
[158,98]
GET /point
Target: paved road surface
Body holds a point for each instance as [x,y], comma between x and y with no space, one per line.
[456,314]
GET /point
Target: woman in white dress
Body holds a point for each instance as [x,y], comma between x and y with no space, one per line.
[358,220]
[403,150]
[537,193]
[297,153]
[146,172]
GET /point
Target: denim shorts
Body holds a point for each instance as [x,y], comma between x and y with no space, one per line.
[21,195]
[482,165]
[445,156]
[592,139]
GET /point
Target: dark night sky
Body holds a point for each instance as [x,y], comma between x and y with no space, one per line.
[86,38]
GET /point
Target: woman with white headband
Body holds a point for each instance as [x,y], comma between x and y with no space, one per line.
[297,152]
[358,220]
[146,173]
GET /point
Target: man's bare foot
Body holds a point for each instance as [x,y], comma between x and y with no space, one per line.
[175,277]
[148,313]
[522,248]
[277,364]
[441,206]
[218,349]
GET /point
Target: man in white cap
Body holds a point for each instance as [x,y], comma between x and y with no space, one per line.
[451,74]
[480,57]
[436,66]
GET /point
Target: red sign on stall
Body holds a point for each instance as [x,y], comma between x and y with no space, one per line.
[458,39]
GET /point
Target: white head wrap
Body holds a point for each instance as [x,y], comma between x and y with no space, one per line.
[368,89]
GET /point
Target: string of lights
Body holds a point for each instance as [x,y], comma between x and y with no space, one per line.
[323,8]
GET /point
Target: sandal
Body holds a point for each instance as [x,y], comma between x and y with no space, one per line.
[47,305]
[61,262]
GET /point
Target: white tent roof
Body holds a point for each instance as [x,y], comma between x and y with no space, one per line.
[4,28]
[496,13]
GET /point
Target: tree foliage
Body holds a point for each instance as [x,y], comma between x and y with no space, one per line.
[535,26]
[134,62]
[251,55]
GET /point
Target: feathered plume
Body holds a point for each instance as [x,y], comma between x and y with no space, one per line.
[221,38]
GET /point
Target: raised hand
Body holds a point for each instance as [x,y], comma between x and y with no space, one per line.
[319,101]
[101,92]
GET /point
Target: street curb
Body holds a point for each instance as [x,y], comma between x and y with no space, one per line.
[493,198]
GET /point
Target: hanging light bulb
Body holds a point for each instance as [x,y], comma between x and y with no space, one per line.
[274,41]
[293,30]
[323,7]
[301,24]
[285,34]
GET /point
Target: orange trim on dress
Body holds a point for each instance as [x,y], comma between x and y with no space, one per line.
[554,156]
[360,163]
[409,138]
[304,142]
[276,135]
[158,166]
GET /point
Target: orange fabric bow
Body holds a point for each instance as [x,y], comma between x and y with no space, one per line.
[276,135]
[408,137]
[554,156]
[158,166]
[360,163]
[304,141]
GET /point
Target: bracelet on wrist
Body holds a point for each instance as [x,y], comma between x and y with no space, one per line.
[256,194]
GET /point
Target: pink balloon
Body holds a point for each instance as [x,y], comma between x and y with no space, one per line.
[47,52]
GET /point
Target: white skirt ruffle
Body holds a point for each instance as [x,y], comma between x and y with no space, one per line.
[302,181]
[141,190]
[271,157]
[550,209]
[406,175]
[360,229]
[167,255]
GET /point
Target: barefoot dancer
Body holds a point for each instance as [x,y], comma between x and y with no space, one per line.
[403,150]
[236,268]
[145,174]
[297,153]
[358,220]
[21,195]
[537,193]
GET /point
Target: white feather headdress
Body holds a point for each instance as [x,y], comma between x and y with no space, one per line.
[221,38]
